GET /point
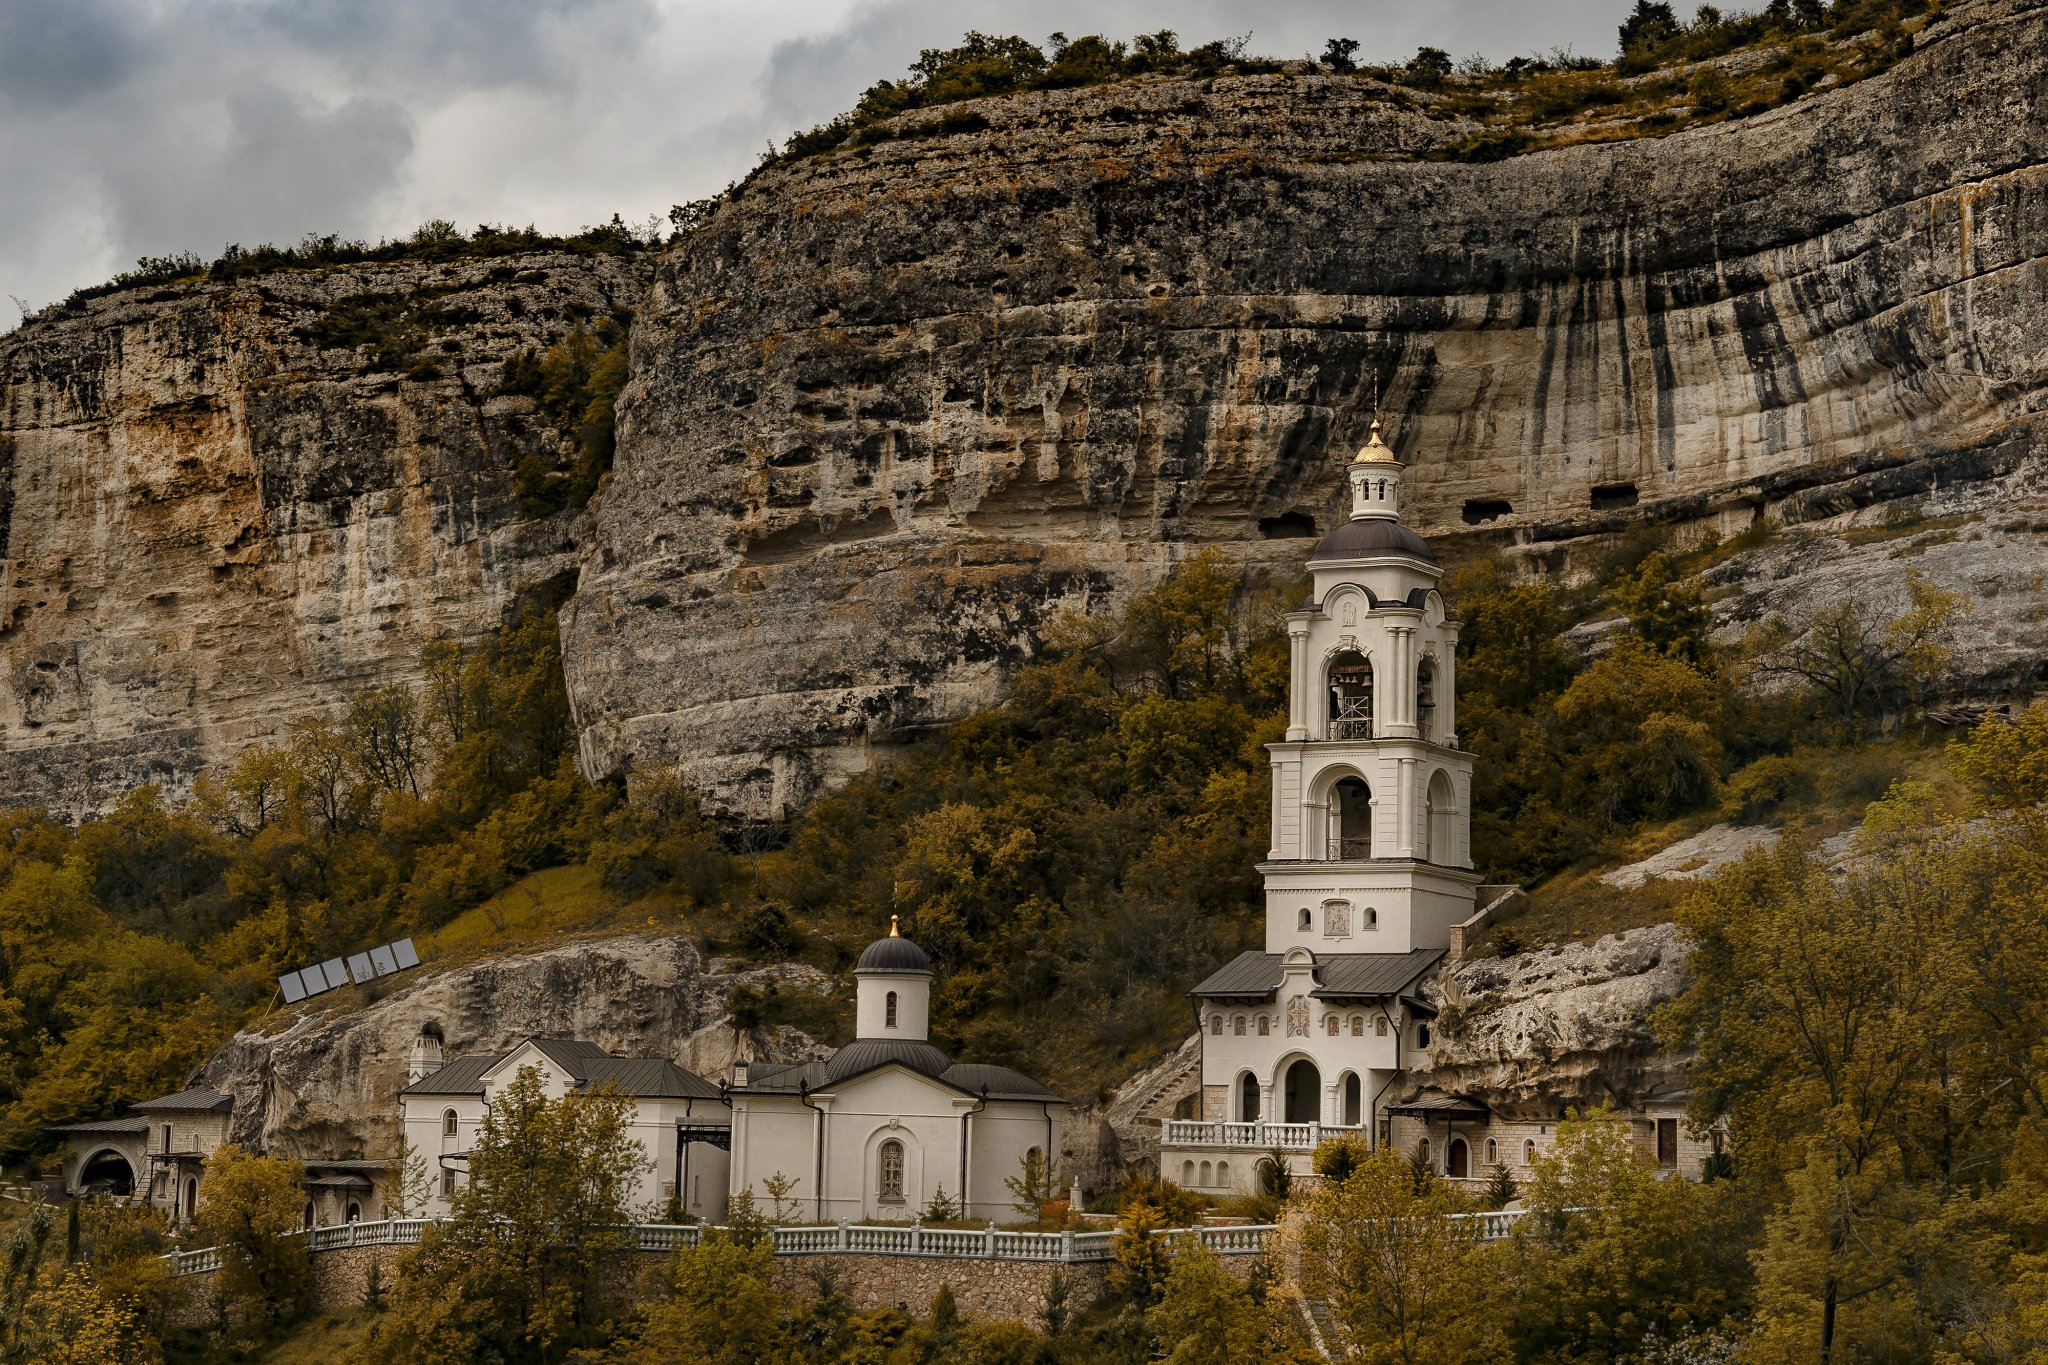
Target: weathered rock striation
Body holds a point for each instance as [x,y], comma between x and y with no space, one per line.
[325,1084]
[895,406]
[213,523]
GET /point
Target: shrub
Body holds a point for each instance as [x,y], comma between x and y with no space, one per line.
[1338,1157]
[1763,786]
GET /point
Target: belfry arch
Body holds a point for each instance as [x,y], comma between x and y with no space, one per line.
[1440,821]
[1351,698]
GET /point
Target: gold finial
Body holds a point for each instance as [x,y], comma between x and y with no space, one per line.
[1375,451]
[892,928]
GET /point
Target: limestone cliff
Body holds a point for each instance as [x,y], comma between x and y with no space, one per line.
[324,1082]
[894,407]
[228,505]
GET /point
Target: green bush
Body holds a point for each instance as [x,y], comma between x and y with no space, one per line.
[1763,786]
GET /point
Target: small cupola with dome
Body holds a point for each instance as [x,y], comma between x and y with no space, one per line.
[893,989]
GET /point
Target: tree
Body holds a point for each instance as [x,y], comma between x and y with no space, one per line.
[1036,1184]
[779,1187]
[1429,67]
[1205,1316]
[717,1305]
[1858,665]
[1651,22]
[70,1320]
[1339,54]
[519,1270]
[1665,611]
[252,1213]
[407,1182]
[1409,1282]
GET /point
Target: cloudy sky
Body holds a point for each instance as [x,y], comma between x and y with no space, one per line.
[148,127]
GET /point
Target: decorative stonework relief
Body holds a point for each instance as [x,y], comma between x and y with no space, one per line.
[1297,1017]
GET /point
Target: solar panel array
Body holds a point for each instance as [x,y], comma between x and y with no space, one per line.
[358,968]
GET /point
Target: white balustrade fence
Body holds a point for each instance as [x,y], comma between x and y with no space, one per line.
[1264,1137]
[839,1240]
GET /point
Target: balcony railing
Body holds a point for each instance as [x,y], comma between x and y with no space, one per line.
[1351,727]
[1264,1137]
[1355,849]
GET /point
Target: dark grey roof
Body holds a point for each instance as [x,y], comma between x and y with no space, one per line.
[570,1054]
[1001,1082]
[338,1182]
[101,1126]
[893,954]
[654,1078]
[1370,538]
[463,1076]
[1440,1107]
[1255,975]
[870,1054]
[197,1098]
[865,1054]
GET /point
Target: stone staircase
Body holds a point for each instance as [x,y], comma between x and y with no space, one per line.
[1324,1332]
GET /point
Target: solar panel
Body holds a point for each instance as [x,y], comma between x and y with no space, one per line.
[315,980]
[403,951]
[381,960]
[359,968]
[294,990]
[336,973]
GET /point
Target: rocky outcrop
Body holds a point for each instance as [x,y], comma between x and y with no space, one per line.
[896,406]
[229,505]
[324,1082]
[1530,1033]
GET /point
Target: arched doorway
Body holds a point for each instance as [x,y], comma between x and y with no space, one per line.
[110,1170]
[191,1196]
[1248,1098]
[1440,834]
[1457,1160]
[1352,1099]
[1350,819]
[1304,1093]
[1350,696]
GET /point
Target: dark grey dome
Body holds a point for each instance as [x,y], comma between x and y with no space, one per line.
[1371,537]
[865,1054]
[893,954]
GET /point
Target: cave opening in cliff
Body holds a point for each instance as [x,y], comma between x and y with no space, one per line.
[1607,497]
[1479,511]
[1287,526]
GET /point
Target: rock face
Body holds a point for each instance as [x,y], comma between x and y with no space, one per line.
[221,514]
[326,1084]
[896,406]
[1530,1033]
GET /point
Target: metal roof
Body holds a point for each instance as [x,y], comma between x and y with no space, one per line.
[338,1182]
[870,1054]
[1338,976]
[1440,1107]
[863,1055]
[101,1126]
[893,954]
[654,1078]
[1369,538]
[197,1098]
[463,1076]
[1001,1082]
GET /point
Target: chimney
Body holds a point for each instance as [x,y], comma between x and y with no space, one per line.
[739,1071]
[425,1058]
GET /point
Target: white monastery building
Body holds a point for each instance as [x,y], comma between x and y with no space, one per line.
[679,1119]
[890,1122]
[1369,874]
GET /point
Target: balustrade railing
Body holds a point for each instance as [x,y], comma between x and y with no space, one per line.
[987,1243]
[1288,1137]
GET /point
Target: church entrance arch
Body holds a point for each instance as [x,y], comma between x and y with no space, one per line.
[1304,1087]
[108,1168]
[1352,1098]
[1457,1160]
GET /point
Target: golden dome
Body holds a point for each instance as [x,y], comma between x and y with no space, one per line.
[1375,450]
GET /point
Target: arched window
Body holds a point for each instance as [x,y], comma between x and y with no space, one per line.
[1529,1152]
[889,1010]
[1372,918]
[1216,1024]
[1237,1026]
[889,1171]
[1304,924]
[309,1213]
[1357,1026]
[1492,1152]
[1187,1172]
[1223,1174]
[1425,696]
[1457,1160]
[1332,1024]
[1422,1150]
[1350,680]
[1205,1173]
[1440,829]
[1350,820]
[191,1197]
[1422,1035]
[449,1123]
[1353,1095]
[355,1212]
[1248,1098]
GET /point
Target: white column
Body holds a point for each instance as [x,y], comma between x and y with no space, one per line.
[1404,809]
[1279,799]
[1447,686]
[1299,681]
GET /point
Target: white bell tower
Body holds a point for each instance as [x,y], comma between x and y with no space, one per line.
[1371,794]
